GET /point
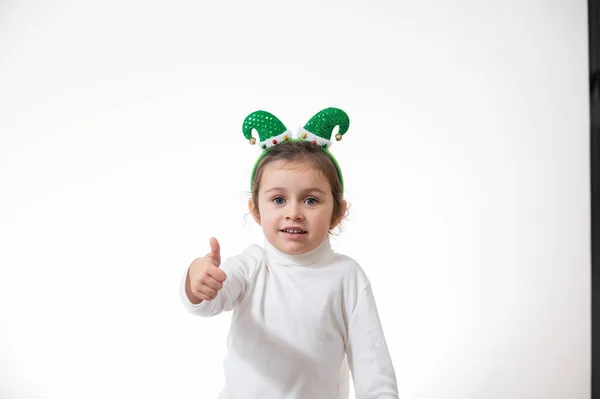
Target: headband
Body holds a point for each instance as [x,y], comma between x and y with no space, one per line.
[318,130]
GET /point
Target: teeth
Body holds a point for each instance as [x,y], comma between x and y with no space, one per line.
[293,231]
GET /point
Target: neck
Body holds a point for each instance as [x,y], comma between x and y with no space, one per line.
[318,255]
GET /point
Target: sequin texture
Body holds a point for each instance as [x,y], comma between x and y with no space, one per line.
[266,125]
[323,123]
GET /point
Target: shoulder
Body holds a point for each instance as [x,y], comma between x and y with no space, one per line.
[245,262]
[354,284]
[253,253]
[354,275]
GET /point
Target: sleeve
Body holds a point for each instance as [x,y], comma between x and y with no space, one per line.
[239,270]
[368,355]
[344,380]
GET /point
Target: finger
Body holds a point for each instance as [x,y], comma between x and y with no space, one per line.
[216,273]
[213,283]
[206,290]
[203,296]
[215,250]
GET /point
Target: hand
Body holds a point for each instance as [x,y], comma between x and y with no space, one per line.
[205,277]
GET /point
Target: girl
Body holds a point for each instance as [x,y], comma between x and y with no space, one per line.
[299,307]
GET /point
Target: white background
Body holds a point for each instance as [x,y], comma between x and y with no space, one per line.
[466,165]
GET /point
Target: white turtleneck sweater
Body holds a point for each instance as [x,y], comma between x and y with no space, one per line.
[295,319]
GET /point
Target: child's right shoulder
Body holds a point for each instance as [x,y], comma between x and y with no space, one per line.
[245,264]
[249,259]
[253,253]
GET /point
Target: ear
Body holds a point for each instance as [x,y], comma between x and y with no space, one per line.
[336,219]
[254,211]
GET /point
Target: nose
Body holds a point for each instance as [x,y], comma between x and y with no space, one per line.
[294,211]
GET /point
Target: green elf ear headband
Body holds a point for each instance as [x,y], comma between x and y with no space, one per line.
[318,130]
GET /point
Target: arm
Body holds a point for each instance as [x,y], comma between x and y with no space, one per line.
[368,356]
[233,288]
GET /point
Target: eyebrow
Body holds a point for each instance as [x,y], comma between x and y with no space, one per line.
[308,190]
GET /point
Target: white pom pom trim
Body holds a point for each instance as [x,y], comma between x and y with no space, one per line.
[313,137]
[279,138]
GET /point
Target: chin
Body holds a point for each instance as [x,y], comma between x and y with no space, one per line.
[295,249]
[292,246]
[291,249]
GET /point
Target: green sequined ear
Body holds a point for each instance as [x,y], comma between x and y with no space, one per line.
[270,129]
[320,127]
[323,122]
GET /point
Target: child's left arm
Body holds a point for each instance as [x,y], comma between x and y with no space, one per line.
[368,355]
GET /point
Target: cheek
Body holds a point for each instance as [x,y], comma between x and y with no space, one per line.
[324,217]
[267,214]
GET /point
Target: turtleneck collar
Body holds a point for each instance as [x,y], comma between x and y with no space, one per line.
[321,254]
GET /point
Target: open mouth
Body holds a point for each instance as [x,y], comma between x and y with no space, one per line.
[293,231]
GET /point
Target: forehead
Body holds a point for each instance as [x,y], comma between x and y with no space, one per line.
[293,175]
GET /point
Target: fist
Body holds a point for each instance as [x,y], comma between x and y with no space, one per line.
[206,279]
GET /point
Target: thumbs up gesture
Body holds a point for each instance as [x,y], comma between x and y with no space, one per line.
[205,279]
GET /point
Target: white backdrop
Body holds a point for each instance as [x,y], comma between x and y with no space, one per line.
[466,166]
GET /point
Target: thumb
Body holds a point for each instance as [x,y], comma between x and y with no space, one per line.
[215,251]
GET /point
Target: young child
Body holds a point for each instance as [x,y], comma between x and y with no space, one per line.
[299,307]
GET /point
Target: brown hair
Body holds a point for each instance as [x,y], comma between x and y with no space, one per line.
[298,151]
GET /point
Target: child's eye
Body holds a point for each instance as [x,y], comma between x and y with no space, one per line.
[278,201]
[311,201]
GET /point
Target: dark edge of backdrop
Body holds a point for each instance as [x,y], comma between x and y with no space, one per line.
[594,75]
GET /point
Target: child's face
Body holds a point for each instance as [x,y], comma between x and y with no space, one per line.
[298,197]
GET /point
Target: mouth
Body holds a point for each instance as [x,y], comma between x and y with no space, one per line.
[294,231]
